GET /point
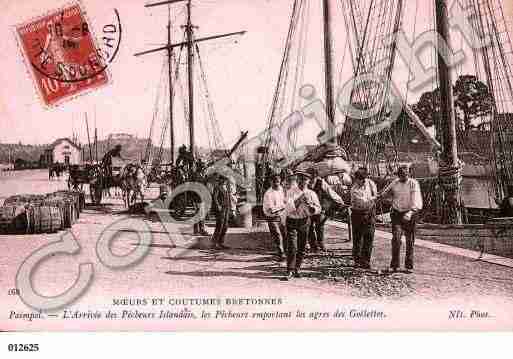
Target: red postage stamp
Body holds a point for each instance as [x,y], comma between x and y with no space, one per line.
[61,52]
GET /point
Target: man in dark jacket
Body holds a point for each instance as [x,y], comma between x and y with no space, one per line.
[221,202]
[328,198]
[185,161]
[199,176]
[107,159]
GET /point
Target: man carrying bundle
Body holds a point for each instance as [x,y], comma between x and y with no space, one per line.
[328,199]
[302,203]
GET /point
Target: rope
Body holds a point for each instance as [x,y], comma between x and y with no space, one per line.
[218,137]
[283,67]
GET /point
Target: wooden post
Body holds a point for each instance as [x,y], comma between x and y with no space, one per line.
[170,70]
[328,70]
[190,73]
[449,165]
[190,41]
[89,139]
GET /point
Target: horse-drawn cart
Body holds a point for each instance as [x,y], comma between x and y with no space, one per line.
[79,175]
[92,175]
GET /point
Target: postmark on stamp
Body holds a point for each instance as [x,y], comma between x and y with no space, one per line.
[63,55]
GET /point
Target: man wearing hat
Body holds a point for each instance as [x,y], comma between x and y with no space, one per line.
[406,203]
[273,207]
[290,179]
[363,217]
[328,198]
[107,159]
[302,203]
[221,201]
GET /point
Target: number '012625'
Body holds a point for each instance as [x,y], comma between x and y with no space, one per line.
[23,347]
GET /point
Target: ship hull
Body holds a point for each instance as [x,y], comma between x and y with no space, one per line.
[494,237]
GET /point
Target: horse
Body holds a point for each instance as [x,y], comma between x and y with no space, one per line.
[133,182]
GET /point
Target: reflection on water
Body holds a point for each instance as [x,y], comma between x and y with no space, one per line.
[478,192]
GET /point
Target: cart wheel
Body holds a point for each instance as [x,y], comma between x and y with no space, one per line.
[96,193]
[183,205]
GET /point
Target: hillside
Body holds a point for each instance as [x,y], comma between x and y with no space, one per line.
[25,152]
[133,148]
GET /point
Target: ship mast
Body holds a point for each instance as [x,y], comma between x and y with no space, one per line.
[190,42]
[449,172]
[328,69]
[190,73]
[171,97]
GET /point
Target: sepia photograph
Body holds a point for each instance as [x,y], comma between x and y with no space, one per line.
[256,166]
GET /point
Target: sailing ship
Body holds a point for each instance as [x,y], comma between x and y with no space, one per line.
[195,67]
[370,24]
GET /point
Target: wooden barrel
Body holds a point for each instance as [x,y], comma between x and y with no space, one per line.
[20,199]
[66,207]
[13,219]
[44,219]
[71,200]
[77,197]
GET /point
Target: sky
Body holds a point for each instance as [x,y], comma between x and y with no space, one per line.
[241,71]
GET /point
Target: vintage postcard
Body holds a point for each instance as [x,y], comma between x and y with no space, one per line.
[242,165]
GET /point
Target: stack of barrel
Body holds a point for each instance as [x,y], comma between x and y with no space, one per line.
[47,213]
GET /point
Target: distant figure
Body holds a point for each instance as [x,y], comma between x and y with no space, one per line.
[363,217]
[107,159]
[506,205]
[185,161]
[406,202]
[274,209]
[221,202]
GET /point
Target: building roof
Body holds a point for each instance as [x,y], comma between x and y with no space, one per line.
[60,140]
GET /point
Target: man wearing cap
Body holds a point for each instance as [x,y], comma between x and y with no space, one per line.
[406,203]
[363,217]
[221,202]
[290,180]
[273,207]
[328,198]
[302,203]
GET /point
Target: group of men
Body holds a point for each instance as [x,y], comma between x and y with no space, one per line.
[297,213]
